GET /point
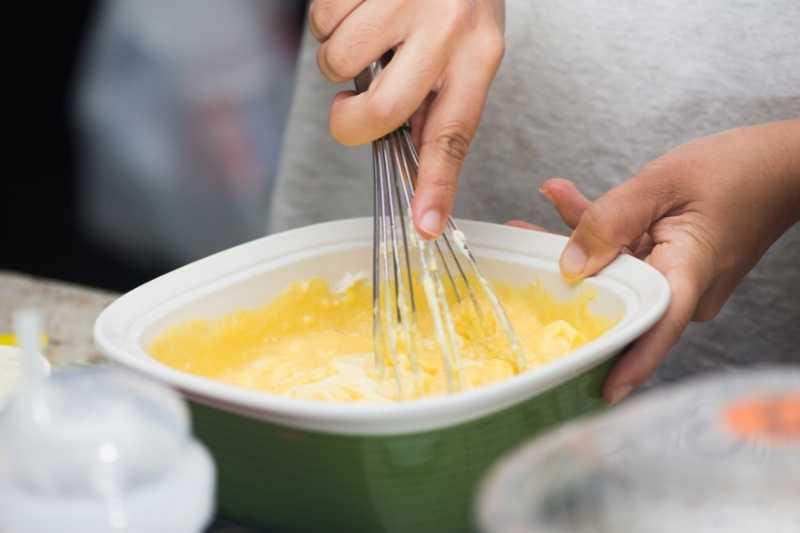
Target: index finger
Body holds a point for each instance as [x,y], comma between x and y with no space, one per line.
[451,125]
[446,140]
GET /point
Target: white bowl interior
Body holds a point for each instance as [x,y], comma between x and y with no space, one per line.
[270,280]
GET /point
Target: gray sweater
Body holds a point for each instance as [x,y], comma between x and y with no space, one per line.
[592,91]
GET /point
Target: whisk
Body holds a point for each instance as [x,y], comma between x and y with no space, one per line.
[401,259]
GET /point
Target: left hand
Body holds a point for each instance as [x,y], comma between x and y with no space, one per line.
[703,215]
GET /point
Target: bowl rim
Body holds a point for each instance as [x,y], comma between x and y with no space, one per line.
[112,334]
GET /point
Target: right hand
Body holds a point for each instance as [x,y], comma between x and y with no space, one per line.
[703,215]
[447,54]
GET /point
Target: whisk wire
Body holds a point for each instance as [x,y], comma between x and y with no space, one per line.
[396,247]
[453,284]
[433,289]
[516,348]
[408,143]
[389,263]
[377,319]
[411,325]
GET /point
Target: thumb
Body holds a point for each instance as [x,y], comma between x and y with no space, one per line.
[614,221]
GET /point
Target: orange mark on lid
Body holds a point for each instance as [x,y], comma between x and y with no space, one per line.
[773,417]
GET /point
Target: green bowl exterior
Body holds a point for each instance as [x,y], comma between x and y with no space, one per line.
[290,480]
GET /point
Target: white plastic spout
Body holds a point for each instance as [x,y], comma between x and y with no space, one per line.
[28,331]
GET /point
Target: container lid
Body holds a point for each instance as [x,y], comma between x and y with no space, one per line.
[100,450]
[710,455]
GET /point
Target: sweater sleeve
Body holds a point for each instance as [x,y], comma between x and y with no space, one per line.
[318,179]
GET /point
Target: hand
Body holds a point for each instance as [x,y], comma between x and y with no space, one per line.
[703,215]
[447,54]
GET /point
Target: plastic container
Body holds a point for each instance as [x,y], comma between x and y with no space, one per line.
[97,450]
[717,454]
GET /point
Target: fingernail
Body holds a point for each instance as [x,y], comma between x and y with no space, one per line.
[573,260]
[544,192]
[620,393]
[431,222]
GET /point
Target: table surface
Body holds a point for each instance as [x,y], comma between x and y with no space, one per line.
[69,313]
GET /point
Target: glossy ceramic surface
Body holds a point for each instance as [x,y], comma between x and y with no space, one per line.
[296,480]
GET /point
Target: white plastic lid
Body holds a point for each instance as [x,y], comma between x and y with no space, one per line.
[97,450]
[719,454]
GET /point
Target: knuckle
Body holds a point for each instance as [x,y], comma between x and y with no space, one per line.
[686,292]
[669,177]
[453,141]
[369,30]
[709,258]
[336,62]
[320,17]
[599,223]
[657,167]
[492,48]
[459,13]
[497,47]
[382,109]
[444,185]
[345,56]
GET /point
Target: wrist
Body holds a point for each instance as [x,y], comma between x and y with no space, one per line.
[794,170]
[781,141]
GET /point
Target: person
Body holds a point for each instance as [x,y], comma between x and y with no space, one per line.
[595,93]
[181,107]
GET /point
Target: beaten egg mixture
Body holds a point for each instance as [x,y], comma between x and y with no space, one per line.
[313,342]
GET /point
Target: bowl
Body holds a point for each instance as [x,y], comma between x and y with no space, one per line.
[293,465]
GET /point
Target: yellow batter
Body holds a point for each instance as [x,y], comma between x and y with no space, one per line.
[312,342]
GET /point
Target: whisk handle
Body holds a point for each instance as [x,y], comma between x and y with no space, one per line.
[368,75]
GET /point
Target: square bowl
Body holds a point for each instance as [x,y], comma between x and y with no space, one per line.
[294,465]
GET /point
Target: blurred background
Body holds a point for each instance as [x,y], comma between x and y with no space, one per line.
[143,134]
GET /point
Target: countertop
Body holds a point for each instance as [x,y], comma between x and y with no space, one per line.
[69,312]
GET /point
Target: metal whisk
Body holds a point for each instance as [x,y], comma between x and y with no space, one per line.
[401,259]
